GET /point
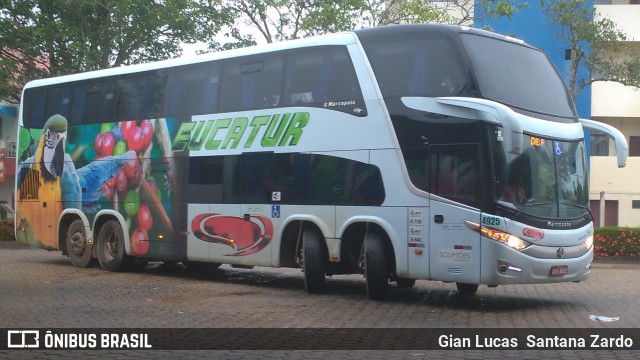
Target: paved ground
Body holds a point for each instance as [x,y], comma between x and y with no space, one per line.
[41,289]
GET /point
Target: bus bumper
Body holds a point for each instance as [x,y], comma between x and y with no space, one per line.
[502,265]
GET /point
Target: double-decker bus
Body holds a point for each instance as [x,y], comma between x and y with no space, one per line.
[404,152]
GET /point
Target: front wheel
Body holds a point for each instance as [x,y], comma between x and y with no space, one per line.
[111,253]
[78,249]
[466,289]
[314,260]
[376,267]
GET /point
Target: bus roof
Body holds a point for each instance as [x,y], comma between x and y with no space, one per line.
[406,29]
[342,38]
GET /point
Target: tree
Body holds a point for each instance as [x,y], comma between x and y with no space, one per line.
[40,38]
[460,12]
[595,42]
[277,20]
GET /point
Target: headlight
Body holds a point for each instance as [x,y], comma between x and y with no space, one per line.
[512,241]
[589,242]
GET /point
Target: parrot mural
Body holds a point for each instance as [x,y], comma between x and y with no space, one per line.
[50,176]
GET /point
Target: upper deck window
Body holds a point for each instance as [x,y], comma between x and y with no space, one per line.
[418,66]
[518,76]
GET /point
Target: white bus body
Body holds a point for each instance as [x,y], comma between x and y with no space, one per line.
[393,152]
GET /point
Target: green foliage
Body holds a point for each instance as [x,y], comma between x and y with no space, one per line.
[278,20]
[40,38]
[616,241]
[7,232]
[595,42]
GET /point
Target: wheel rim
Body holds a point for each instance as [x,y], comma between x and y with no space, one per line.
[111,246]
[78,243]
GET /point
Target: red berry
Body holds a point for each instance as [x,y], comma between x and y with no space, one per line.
[139,242]
[145,220]
[147,131]
[97,143]
[122,184]
[135,139]
[132,166]
[125,126]
[108,143]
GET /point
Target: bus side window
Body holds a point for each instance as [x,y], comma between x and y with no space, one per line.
[152,95]
[34,108]
[455,173]
[210,89]
[93,103]
[59,102]
[253,84]
[79,103]
[205,179]
[316,76]
[172,93]
[256,179]
[128,99]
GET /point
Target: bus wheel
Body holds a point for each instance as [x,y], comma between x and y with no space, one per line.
[313,261]
[375,269]
[466,289]
[111,253]
[405,283]
[77,248]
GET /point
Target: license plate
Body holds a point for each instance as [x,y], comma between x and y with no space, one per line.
[559,270]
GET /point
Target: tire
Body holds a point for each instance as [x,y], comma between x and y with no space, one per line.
[314,260]
[79,252]
[467,289]
[405,283]
[376,268]
[111,253]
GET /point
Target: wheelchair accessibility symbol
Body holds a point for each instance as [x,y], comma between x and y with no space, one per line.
[275,211]
[558,148]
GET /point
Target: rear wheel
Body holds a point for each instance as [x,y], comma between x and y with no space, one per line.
[78,249]
[111,253]
[314,260]
[376,268]
[466,289]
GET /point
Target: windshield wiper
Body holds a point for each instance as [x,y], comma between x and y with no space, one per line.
[581,207]
[532,204]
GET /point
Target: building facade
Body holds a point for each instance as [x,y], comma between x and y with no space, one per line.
[8,134]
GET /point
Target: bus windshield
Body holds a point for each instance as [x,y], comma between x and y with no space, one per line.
[517,76]
[547,180]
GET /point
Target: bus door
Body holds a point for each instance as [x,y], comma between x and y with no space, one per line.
[40,208]
[255,227]
[214,230]
[256,234]
[454,247]
[214,209]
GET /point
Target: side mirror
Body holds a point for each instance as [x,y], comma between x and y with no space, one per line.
[475,108]
[495,113]
[622,148]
